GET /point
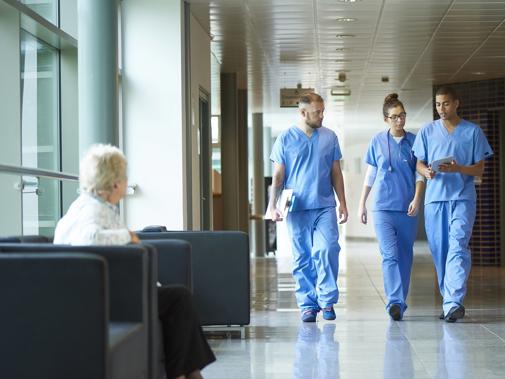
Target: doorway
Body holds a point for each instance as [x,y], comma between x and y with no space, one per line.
[205,162]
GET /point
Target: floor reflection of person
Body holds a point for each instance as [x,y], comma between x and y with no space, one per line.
[397,355]
[453,356]
[317,352]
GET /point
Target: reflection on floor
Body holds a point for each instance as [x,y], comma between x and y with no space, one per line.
[362,342]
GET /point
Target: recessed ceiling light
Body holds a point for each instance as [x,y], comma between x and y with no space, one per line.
[346,19]
[479,73]
[345,35]
[349,1]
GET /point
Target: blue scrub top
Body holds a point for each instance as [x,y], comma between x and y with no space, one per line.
[467,143]
[308,163]
[395,184]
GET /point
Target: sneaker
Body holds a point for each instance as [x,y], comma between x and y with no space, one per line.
[395,312]
[309,315]
[442,316]
[455,313]
[329,313]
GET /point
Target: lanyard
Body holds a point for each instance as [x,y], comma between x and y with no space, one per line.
[390,168]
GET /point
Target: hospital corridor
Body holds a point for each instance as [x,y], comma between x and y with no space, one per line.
[252,189]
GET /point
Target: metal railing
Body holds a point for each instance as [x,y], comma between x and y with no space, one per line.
[37,172]
[47,174]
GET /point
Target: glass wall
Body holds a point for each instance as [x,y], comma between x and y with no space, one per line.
[46,8]
[40,133]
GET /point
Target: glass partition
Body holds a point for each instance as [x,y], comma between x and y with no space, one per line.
[39,133]
[46,8]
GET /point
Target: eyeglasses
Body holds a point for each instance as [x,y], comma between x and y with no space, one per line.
[396,117]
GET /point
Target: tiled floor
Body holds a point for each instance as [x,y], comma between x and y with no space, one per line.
[362,342]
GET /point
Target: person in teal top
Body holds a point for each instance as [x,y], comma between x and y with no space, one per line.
[450,202]
[306,160]
[396,201]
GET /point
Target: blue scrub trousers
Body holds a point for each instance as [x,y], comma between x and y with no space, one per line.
[314,238]
[396,232]
[449,228]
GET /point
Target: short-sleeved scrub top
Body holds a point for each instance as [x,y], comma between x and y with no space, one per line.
[308,162]
[467,144]
[394,185]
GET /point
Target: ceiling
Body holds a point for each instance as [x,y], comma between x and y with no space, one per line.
[274,44]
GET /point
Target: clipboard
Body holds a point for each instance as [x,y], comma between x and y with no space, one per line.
[436,163]
[284,204]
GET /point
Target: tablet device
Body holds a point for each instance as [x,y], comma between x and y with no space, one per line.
[435,164]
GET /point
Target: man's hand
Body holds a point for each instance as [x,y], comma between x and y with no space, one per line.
[275,214]
[449,167]
[342,214]
[363,214]
[134,238]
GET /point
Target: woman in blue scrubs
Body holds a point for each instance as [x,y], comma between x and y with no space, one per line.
[450,203]
[396,201]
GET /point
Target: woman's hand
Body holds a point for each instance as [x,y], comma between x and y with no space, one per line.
[134,238]
[428,173]
[414,207]
[362,214]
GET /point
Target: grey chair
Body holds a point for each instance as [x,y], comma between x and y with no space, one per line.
[220,271]
[25,239]
[125,320]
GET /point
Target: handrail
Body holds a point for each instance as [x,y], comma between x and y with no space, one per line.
[37,172]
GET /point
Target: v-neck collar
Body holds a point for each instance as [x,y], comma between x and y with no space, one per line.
[311,138]
[445,131]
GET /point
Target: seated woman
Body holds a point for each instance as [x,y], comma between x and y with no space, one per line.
[93,219]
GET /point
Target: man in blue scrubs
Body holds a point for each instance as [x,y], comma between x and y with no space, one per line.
[307,160]
[450,202]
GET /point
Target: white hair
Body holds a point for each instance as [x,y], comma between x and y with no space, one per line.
[101,167]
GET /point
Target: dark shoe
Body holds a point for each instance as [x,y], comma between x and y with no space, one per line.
[455,313]
[329,313]
[395,312]
[442,316]
[309,315]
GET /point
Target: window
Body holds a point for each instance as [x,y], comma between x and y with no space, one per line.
[39,133]
[46,8]
[215,123]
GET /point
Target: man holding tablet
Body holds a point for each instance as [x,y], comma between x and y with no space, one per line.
[450,153]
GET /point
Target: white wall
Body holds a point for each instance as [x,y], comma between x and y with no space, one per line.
[153,111]
[355,168]
[10,121]
[199,79]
